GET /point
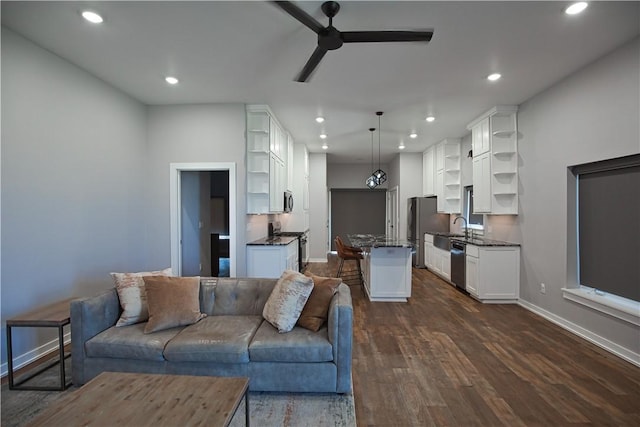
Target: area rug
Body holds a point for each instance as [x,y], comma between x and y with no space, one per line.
[265,409]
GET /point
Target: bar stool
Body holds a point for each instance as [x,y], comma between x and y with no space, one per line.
[349,253]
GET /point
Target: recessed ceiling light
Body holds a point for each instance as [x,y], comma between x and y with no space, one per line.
[493,77]
[323,136]
[319,119]
[430,119]
[92,17]
[325,146]
[401,146]
[576,8]
[171,80]
[413,135]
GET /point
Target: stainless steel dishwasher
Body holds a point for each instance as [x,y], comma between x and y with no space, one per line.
[458,264]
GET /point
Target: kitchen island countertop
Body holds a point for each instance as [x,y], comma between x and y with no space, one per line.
[377,241]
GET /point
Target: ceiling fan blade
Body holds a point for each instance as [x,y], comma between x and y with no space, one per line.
[300,15]
[311,64]
[385,36]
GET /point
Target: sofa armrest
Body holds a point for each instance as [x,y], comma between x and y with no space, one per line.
[89,317]
[340,326]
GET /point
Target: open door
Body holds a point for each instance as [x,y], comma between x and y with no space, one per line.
[203,219]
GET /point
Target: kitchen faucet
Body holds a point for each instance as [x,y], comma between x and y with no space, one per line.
[466,228]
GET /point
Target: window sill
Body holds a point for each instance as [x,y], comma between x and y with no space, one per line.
[613,305]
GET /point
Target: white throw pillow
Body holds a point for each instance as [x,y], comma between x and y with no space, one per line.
[132,295]
[287,300]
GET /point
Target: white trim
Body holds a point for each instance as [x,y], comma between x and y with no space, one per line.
[613,305]
[35,354]
[601,342]
[174,208]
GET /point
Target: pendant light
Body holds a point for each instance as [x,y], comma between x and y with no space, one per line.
[371,181]
[379,175]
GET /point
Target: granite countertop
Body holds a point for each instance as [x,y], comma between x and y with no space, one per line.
[377,241]
[477,241]
[274,241]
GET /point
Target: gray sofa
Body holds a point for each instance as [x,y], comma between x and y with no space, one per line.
[233,340]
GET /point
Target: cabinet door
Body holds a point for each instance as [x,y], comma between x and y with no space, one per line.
[480,141]
[472,275]
[276,184]
[439,156]
[446,264]
[428,255]
[482,183]
[440,190]
[428,172]
[305,194]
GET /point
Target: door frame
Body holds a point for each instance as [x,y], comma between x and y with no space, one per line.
[175,210]
[393,222]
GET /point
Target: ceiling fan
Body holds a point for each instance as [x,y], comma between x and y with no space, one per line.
[329,38]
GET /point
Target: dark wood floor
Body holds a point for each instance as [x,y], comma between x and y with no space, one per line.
[445,359]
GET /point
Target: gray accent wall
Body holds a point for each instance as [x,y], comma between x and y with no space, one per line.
[73,200]
[205,133]
[589,116]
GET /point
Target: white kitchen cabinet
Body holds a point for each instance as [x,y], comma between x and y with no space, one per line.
[428,251]
[271,260]
[493,273]
[267,157]
[480,142]
[440,191]
[387,273]
[494,137]
[428,172]
[277,180]
[482,183]
[448,181]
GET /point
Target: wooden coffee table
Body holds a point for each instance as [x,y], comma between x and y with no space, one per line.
[123,399]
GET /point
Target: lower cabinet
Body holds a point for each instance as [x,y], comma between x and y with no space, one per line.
[271,260]
[437,260]
[493,273]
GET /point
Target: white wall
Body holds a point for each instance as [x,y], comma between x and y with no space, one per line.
[589,116]
[73,162]
[192,134]
[351,175]
[318,208]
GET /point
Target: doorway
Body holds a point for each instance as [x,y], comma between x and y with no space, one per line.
[203,219]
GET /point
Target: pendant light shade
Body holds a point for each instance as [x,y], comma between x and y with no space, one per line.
[371,182]
[380,175]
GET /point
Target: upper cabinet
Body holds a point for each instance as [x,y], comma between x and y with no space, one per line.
[267,161]
[441,174]
[494,140]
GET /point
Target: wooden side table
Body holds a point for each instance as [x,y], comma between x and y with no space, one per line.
[56,315]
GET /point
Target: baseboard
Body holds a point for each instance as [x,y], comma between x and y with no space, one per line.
[35,354]
[618,350]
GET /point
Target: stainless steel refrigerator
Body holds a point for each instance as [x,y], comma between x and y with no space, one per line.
[422,217]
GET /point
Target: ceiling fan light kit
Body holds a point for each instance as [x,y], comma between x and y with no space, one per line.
[330,38]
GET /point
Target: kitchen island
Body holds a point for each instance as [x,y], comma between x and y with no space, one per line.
[386,266]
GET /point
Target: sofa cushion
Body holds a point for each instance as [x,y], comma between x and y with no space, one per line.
[287,299]
[130,342]
[316,310]
[299,345]
[222,339]
[241,297]
[173,301]
[132,295]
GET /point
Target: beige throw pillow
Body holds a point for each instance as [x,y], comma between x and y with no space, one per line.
[173,301]
[132,295]
[316,310]
[287,299]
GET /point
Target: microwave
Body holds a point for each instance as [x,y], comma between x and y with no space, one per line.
[288,201]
